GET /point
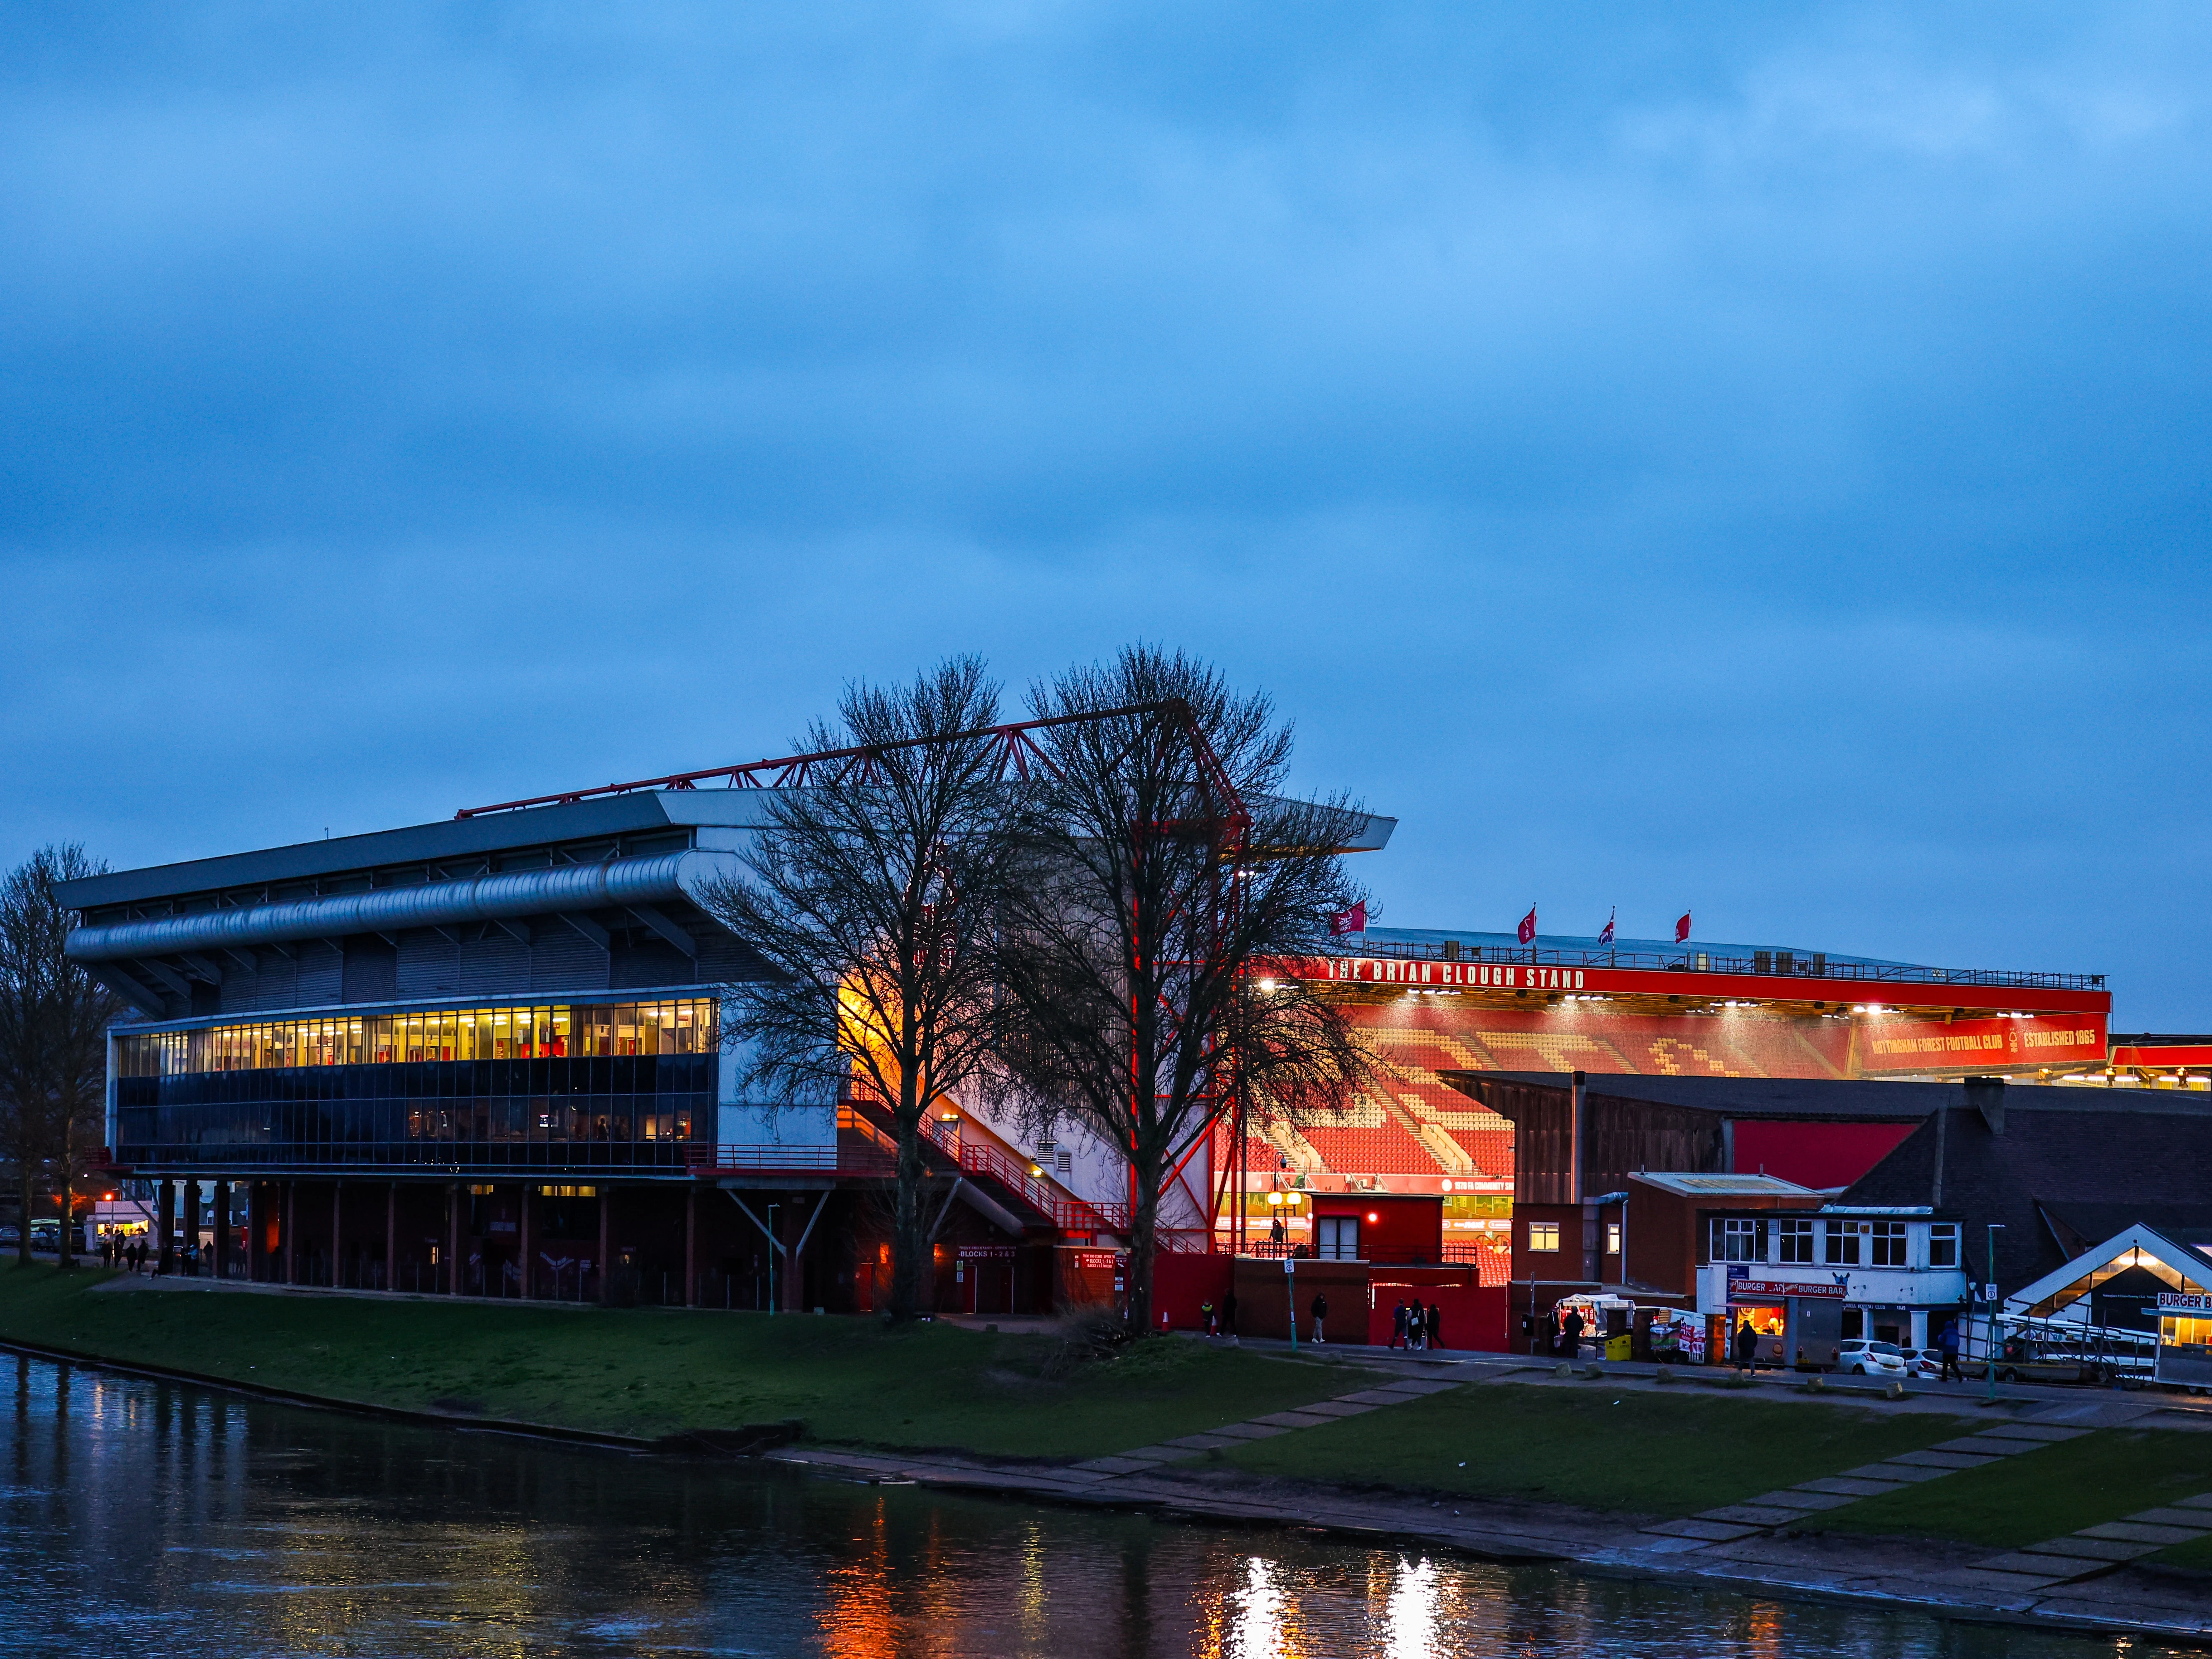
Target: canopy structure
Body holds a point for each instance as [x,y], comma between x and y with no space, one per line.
[2179,1267]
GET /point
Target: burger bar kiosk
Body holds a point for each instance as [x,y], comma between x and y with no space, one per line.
[1800,1321]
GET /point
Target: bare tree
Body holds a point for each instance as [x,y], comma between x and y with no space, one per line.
[53,1035]
[870,892]
[1148,906]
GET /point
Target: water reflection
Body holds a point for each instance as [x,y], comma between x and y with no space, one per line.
[143,1518]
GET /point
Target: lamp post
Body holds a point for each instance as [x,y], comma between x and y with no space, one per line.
[1990,1259]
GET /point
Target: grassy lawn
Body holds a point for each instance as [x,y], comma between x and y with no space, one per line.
[1655,1454]
[2042,1494]
[651,1372]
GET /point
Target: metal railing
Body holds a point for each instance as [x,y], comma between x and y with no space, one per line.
[1778,965]
[1048,1198]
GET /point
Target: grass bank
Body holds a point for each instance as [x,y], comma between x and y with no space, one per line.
[1642,1452]
[652,1372]
[2046,1493]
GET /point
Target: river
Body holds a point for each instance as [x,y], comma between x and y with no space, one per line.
[144,1517]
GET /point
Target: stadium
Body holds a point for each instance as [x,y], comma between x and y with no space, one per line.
[483,1056]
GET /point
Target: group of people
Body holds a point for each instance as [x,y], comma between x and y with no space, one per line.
[1417,1327]
[137,1255]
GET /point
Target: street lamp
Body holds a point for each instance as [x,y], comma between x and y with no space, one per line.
[1989,1259]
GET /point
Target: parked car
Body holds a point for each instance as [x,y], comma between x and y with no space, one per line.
[1860,1358]
[1926,1362]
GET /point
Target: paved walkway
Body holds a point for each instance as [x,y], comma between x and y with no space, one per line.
[1791,1504]
[1146,1459]
[2100,1549]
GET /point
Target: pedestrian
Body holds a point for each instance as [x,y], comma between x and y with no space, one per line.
[1433,1337]
[1572,1328]
[1205,1316]
[1398,1324]
[1320,1312]
[1747,1346]
[1229,1317]
[1417,1326]
[1948,1341]
[1276,1234]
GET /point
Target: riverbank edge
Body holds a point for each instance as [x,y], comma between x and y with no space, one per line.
[1165,1498]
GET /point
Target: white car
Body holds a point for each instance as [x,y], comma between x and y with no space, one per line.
[1862,1358]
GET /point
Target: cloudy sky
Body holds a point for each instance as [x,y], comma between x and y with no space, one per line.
[1752,460]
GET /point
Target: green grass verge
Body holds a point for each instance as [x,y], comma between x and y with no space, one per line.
[2045,1493]
[651,1372]
[1650,1453]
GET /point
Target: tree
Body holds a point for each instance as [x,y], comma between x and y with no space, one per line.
[870,893]
[53,1035]
[1160,874]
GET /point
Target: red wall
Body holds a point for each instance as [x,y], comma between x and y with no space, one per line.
[1181,1283]
[1813,1154]
[1390,1224]
[1473,1316]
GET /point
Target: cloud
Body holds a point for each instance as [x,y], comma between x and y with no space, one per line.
[1749,458]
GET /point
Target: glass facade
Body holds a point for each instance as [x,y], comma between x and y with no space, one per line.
[625,1086]
[553,1031]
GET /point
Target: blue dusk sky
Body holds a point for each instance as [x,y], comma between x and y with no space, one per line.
[1746,458]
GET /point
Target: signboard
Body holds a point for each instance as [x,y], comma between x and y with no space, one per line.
[2082,1028]
[988,1253]
[1776,1290]
[2185,1301]
[1920,1045]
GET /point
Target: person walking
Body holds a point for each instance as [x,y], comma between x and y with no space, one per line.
[1948,1342]
[1570,1327]
[1206,1317]
[1747,1346]
[1229,1317]
[1433,1336]
[1398,1324]
[1320,1312]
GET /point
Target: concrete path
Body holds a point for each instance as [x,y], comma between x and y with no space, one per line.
[1790,1503]
[1144,1459]
[2095,1551]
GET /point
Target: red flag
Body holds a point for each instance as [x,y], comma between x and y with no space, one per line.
[1682,927]
[1529,926]
[1353,920]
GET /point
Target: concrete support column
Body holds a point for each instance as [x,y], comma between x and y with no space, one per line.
[165,1210]
[391,1237]
[291,1240]
[791,1221]
[606,1234]
[452,1238]
[222,1201]
[525,1230]
[337,1227]
[691,1247]
[191,1233]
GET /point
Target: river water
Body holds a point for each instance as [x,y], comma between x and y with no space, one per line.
[143,1517]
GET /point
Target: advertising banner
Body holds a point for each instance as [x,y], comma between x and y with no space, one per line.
[1921,1045]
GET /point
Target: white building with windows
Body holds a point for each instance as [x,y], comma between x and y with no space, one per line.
[1898,1272]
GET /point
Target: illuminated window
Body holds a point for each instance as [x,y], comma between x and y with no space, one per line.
[1543,1235]
[686,1027]
[1612,1238]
